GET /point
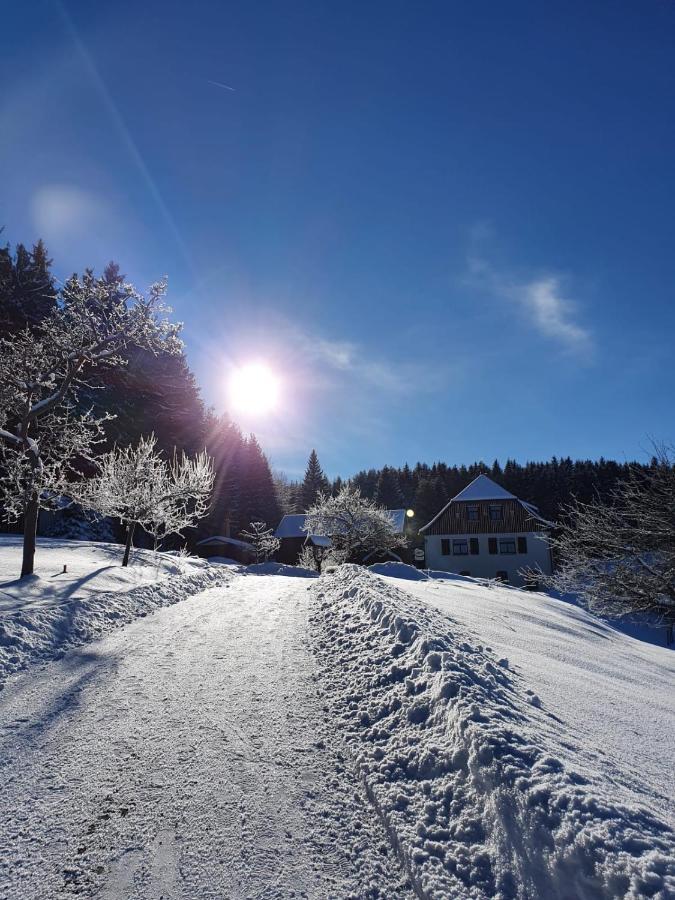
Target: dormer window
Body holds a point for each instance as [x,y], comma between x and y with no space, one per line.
[496,512]
[472,512]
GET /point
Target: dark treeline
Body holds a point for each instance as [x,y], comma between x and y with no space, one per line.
[427,488]
[549,485]
[151,393]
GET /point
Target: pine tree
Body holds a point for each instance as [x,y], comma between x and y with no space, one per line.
[225,443]
[427,503]
[257,495]
[314,482]
[152,392]
[27,291]
[388,493]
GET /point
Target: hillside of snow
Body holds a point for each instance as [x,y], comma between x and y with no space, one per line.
[514,746]
[46,613]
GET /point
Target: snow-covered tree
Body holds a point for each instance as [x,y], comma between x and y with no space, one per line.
[314,484]
[138,487]
[619,556]
[355,525]
[262,538]
[42,372]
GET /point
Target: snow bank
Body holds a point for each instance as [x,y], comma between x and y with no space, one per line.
[453,753]
[92,567]
[276,568]
[38,633]
[398,570]
[411,573]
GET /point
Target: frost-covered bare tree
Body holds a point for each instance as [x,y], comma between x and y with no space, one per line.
[138,487]
[262,538]
[42,372]
[619,556]
[355,525]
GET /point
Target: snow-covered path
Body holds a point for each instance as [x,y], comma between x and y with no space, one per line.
[186,755]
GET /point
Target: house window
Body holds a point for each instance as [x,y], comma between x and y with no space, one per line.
[507,545]
[503,576]
[496,512]
[474,546]
[472,513]
[460,548]
[492,545]
[522,545]
[445,547]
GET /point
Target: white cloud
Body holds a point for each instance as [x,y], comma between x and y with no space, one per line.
[553,315]
[363,366]
[545,308]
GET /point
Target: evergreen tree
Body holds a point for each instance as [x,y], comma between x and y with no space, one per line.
[430,498]
[27,291]
[257,495]
[388,493]
[152,392]
[225,444]
[314,483]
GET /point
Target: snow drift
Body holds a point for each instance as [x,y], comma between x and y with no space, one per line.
[454,757]
[40,632]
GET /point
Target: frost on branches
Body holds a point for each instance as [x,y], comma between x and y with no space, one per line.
[619,557]
[43,434]
[138,487]
[355,525]
[262,540]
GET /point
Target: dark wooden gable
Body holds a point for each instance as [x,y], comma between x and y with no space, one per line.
[455,519]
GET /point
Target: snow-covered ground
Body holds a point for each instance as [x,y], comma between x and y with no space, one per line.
[353,735]
[187,755]
[92,568]
[515,746]
[44,614]
[611,695]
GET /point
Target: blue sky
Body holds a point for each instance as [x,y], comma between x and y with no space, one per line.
[449,226]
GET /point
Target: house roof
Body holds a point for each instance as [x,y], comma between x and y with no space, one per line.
[221,539]
[291,526]
[484,488]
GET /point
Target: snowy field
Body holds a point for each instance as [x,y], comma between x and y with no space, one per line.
[44,614]
[514,745]
[355,735]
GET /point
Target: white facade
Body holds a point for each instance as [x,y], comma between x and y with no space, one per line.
[486,532]
[485,564]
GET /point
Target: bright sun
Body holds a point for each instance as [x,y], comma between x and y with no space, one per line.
[254,389]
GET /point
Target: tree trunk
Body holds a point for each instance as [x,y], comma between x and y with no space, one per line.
[129,544]
[30,521]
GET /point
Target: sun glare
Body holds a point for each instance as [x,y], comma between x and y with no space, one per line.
[254,389]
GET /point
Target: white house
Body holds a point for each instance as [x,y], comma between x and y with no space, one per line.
[486,532]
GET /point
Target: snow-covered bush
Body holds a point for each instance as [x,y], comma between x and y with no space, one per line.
[619,557]
[355,525]
[44,435]
[137,486]
[262,540]
[307,559]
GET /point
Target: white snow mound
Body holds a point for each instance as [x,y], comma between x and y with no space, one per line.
[39,621]
[443,732]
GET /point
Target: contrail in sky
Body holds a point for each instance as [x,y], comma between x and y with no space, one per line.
[220,84]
